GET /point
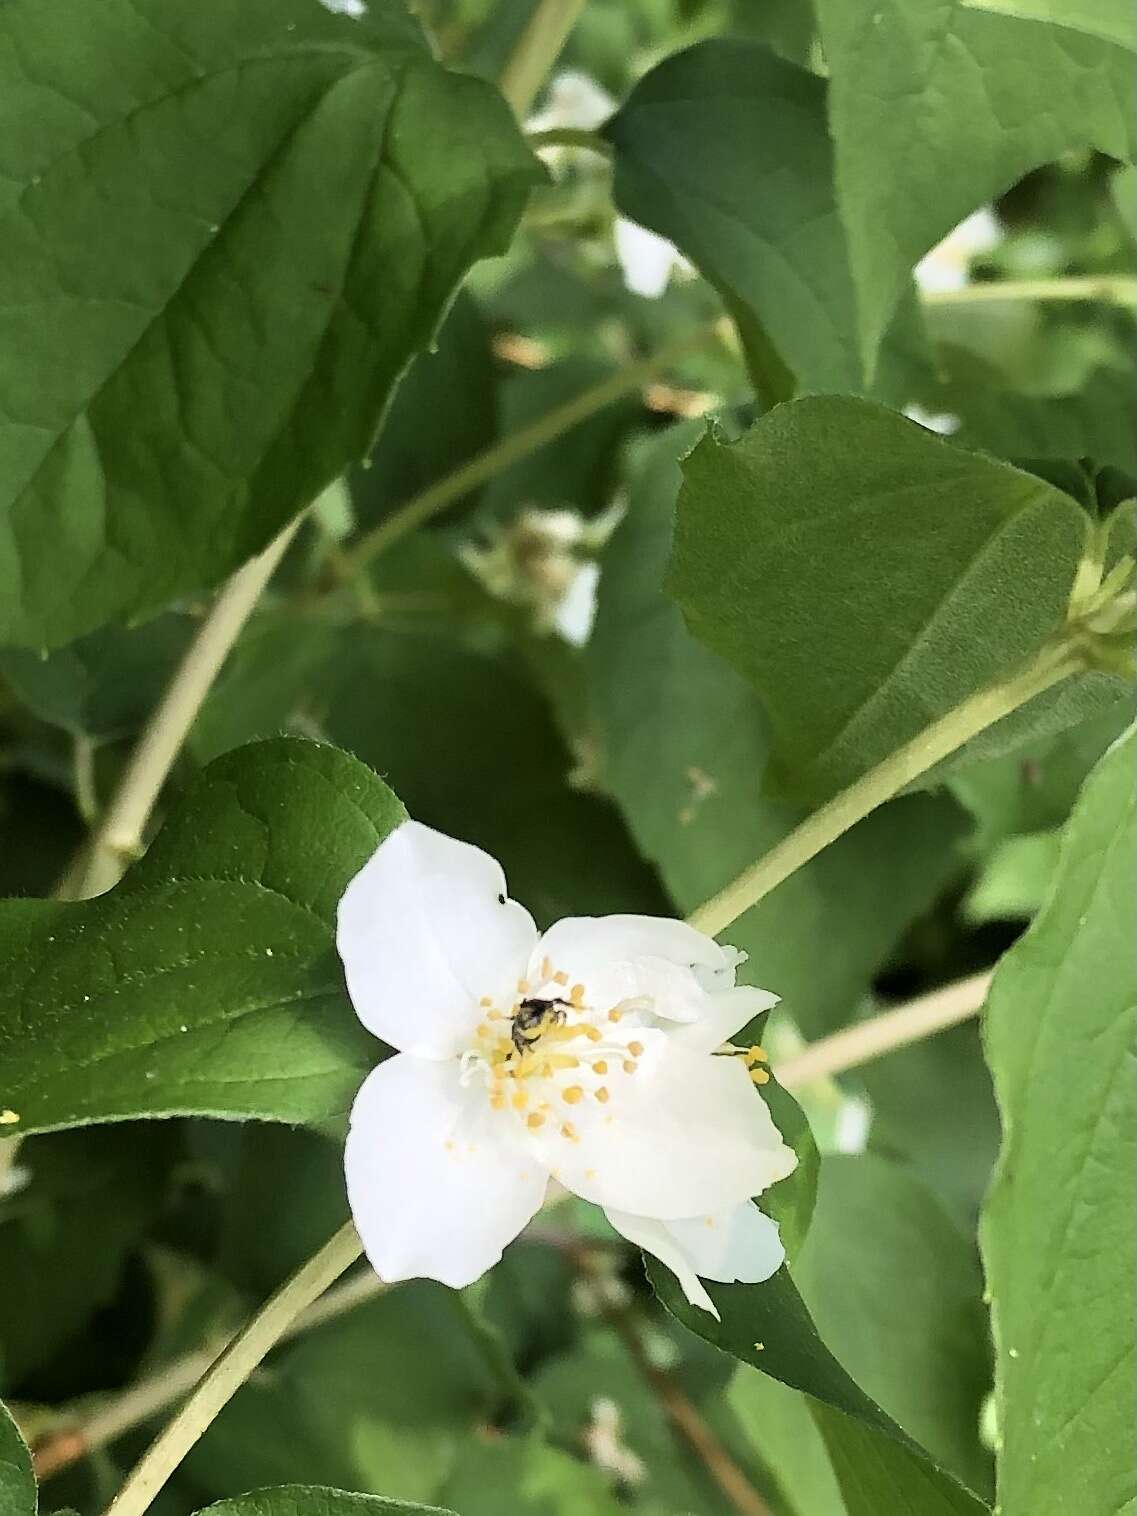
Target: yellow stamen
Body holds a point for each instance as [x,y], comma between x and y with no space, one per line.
[573,1095]
[520,1099]
[758,1055]
[522,986]
[576,996]
[497,1101]
[602,1095]
[600,1067]
[614,1015]
[534,1120]
[546,968]
[760,1076]
[630,1065]
[569,1131]
[482,1030]
[485,1000]
[635,1048]
[560,977]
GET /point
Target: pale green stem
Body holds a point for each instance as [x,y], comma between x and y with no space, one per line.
[1111,289]
[230,1370]
[923,752]
[520,444]
[538,48]
[571,136]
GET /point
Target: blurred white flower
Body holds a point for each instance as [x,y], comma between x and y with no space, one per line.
[947,266]
[574,100]
[586,1054]
[538,561]
[648,260]
[943,422]
[353,8]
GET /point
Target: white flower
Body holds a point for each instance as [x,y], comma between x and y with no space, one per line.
[647,260]
[947,266]
[583,1055]
[574,100]
[353,8]
[943,422]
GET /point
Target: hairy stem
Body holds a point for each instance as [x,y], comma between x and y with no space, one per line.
[120,835]
[923,752]
[494,460]
[538,48]
[1111,289]
[900,1027]
[230,1370]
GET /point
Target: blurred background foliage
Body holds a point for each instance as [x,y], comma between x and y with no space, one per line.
[618,772]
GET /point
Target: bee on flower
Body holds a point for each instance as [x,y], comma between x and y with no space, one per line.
[593,1054]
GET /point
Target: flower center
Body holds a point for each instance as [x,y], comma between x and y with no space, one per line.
[550,1049]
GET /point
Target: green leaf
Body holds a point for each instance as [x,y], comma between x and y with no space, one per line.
[431,705]
[17,1482]
[878,1467]
[1014,880]
[445,411]
[1058,1227]
[103,685]
[253,223]
[686,753]
[1110,20]
[317,1500]
[724,149]
[777,1421]
[207,982]
[936,109]
[866,576]
[526,1477]
[104,1187]
[383,1398]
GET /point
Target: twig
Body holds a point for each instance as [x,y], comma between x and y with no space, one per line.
[520,444]
[856,1045]
[119,837]
[537,49]
[880,784]
[1111,289]
[81,1434]
[233,1366]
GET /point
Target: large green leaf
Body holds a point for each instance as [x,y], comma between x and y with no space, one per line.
[17,1482]
[317,1500]
[686,752]
[935,109]
[878,1466]
[382,1398]
[1059,1223]
[724,150]
[207,982]
[866,576]
[526,1477]
[225,233]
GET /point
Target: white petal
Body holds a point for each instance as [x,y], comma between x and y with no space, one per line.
[736,1246]
[683,1135]
[425,930]
[622,957]
[725,1013]
[655,1237]
[576,610]
[437,1181]
[646,258]
[575,100]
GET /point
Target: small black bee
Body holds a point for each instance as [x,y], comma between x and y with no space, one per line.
[529,1017]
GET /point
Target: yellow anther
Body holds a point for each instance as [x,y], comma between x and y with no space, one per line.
[573,1095]
[576,996]
[600,1067]
[602,1095]
[520,1099]
[760,1076]
[614,1015]
[497,1101]
[562,1061]
[630,1065]
[560,977]
[546,968]
[495,1016]
[449,1146]
[534,1120]
[522,986]
[636,1049]
[592,1033]
[569,1131]
[758,1055]
[485,1000]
